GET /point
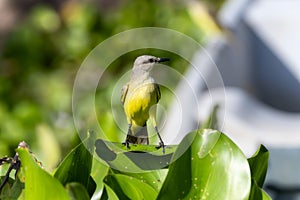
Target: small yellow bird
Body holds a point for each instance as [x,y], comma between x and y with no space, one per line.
[139,97]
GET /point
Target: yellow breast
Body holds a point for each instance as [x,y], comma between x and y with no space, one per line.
[138,102]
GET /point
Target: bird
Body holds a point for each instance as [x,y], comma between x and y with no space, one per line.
[139,98]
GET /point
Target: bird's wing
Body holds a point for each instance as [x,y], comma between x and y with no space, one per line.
[157,90]
[124,93]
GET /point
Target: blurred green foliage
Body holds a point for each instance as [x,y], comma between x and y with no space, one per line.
[45,49]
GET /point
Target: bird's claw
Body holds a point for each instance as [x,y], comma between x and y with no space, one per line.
[126,143]
[161,145]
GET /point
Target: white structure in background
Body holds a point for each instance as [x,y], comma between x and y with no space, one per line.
[259,62]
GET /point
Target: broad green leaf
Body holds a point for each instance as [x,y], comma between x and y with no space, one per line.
[76,167]
[91,186]
[127,187]
[153,178]
[77,191]
[99,171]
[108,193]
[138,159]
[257,193]
[259,165]
[213,167]
[38,183]
[104,195]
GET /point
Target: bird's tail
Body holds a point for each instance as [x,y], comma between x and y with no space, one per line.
[139,135]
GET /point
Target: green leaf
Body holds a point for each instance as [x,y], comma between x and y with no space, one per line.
[108,193]
[259,165]
[76,167]
[77,191]
[104,195]
[257,193]
[212,167]
[138,159]
[99,171]
[91,186]
[127,187]
[38,183]
[153,178]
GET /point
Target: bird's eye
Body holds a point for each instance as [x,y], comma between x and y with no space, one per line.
[151,60]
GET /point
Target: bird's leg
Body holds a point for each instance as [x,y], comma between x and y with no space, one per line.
[152,114]
[161,143]
[129,133]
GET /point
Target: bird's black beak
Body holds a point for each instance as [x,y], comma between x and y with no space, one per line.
[163,60]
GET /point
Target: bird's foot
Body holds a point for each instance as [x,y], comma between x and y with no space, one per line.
[161,145]
[126,143]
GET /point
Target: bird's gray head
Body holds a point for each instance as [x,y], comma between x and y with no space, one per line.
[146,62]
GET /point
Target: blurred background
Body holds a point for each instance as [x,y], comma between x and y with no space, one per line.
[255,45]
